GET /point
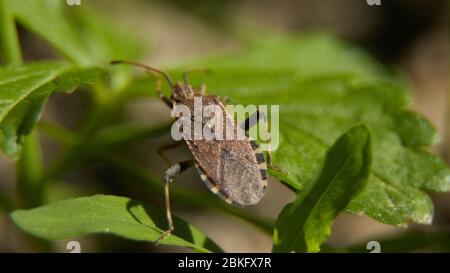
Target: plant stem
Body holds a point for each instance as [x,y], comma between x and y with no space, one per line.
[6,203]
[29,167]
[102,107]
[29,172]
[105,140]
[57,132]
[9,45]
[10,52]
[446,144]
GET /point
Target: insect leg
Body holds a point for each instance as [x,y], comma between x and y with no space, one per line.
[166,147]
[251,121]
[174,170]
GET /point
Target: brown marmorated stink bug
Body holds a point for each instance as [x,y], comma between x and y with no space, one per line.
[233,169]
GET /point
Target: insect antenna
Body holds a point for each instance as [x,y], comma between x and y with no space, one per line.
[149,68]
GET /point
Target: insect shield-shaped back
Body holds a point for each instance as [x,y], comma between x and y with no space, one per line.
[238,180]
[231,167]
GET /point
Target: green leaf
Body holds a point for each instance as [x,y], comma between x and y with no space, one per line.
[305,224]
[68,219]
[79,34]
[324,87]
[24,92]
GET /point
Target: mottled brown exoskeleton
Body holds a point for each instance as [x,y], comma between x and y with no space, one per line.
[233,169]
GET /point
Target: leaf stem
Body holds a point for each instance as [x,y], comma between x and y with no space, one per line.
[29,167]
[446,144]
[9,42]
[57,132]
[29,172]
[6,203]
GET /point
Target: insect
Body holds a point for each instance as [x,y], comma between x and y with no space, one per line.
[233,169]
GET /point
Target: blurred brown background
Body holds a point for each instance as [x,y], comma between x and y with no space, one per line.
[408,35]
